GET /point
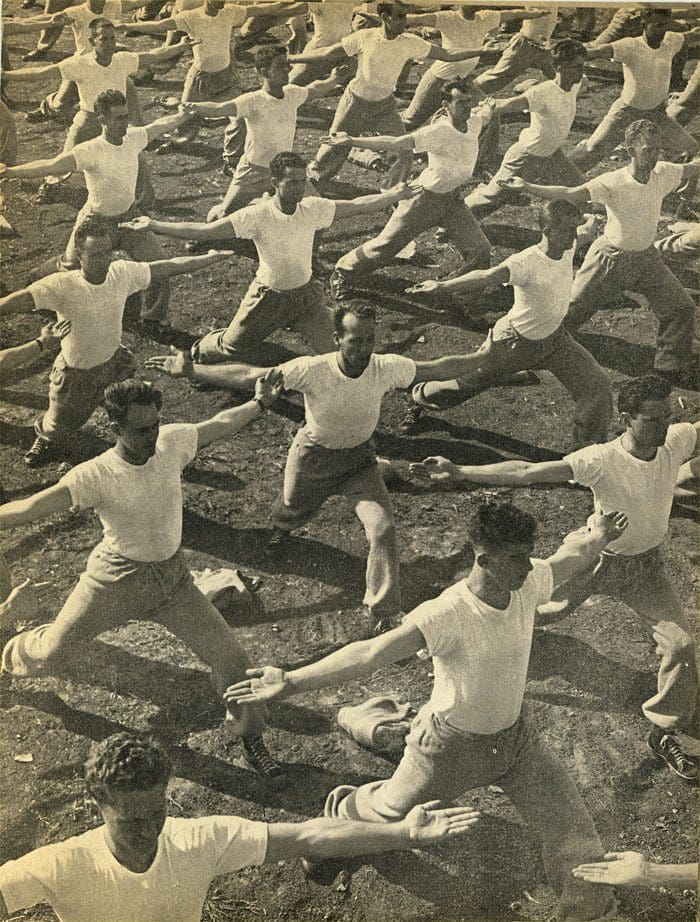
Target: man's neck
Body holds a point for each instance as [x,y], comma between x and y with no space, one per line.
[637,451]
[117,142]
[656,43]
[104,60]
[273,89]
[480,585]
[136,460]
[641,175]
[137,865]
[284,207]
[93,278]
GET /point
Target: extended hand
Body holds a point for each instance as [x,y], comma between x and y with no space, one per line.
[514,183]
[426,823]
[404,190]
[142,223]
[620,869]
[612,524]
[52,334]
[428,286]
[269,387]
[177,365]
[265,684]
[435,469]
[337,139]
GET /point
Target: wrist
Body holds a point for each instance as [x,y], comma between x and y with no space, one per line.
[261,404]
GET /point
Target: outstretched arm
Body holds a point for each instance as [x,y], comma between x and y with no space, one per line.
[333,54]
[62,163]
[51,501]
[35,24]
[365,204]
[437,469]
[229,422]
[179,265]
[233,375]
[600,51]
[155,27]
[184,230]
[477,280]
[632,869]
[582,548]
[579,195]
[370,142]
[164,53]
[169,122]
[321,88]
[439,54]
[31,73]
[19,302]
[513,104]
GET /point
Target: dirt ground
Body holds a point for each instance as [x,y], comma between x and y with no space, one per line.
[588,674]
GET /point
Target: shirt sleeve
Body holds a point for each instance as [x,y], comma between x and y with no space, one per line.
[83,483]
[518,269]
[492,18]
[84,155]
[234,15]
[180,439]
[296,373]
[396,370]
[323,211]
[671,175]
[541,581]
[424,139]
[676,41]
[140,136]
[47,295]
[623,50]
[245,104]
[20,888]
[417,46]
[70,68]
[245,222]
[352,44]
[683,439]
[241,843]
[586,465]
[182,22]
[598,189]
[434,620]
[130,61]
[131,276]
[297,94]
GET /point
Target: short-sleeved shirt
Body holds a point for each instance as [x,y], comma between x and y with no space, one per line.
[540,30]
[343,412]
[480,654]
[332,21]
[634,208]
[139,505]
[213,34]
[111,171]
[95,311]
[82,16]
[460,34]
[646,71]
[92,78]
[284,241]
[552,113]
[542,288]
[271,122]
[381,60]
[452,154]
[82,880]
[643,490]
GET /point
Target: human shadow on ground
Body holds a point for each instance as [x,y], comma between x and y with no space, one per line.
[628,358]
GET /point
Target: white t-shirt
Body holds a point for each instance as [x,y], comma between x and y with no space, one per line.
[540,30]
[213,34]
[111,171]
[381,60]
[343,412]
[139,505]
[633,208]
[332,21]
[552,113]
[284,241]
[542,288]
[83,882]
[643,490]
[460,34]
[646,71]
[95,311]
[92,78]
[271,122]
[82,16]
[481,654]
[452,154]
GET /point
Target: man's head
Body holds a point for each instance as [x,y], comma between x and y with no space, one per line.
[103,38]
[393,18]
[127,774]
[457,98]
[113,114]
[644,405]
[503,538]
[272,64]
[288,173]
[655,23]
[214,6]
[643,143]
[97,6]
[569,57]
[93,247]
[354,333]
[133,409]
[559,221]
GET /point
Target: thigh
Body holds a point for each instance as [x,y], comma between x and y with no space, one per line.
[675,140]
[143,247]
[367,493]
[558,168]
[348,115]
[390,122]
[612,129]
[410,218]
[262,311]
[660,286]
[314,321]
[465,231]
[70,257]
[575,367]
[602,276]
[654,597]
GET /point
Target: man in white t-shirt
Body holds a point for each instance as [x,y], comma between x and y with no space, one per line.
[528,49]
[624,258]
[538,154]
[452,145]
[635,474]
[333,454]
[531,335]
[144,866]
[332,21]
[92,297]
[646,66]
[138,569]
[473,732]
[284,293]
[368,103]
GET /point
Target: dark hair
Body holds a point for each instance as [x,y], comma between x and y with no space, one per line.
[266,55]
[639,127]
[633,393]
[98,21]
[92,226]
[357,308]
[284,161]
[125,762]
[497,524]
[557,209]
[107,100]
[567,49]
[124,394]
[386,9]
[464,86]
[652,11]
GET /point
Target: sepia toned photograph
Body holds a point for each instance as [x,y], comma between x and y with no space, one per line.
[349,464]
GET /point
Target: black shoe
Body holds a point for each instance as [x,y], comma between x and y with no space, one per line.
[228,169]
[277,543]
[410,423]
[40,452]
[259,759]
[341,284]
[665,746]
[37,115]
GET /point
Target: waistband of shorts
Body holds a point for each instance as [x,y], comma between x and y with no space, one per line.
[478,737]
[652,552]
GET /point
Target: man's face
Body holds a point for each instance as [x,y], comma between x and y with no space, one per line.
[278,70]
[138,433]
[395,21]
[561,230]
[356,342]
[649,427]
[104,40]
[215,6]
[508,566]
[95,256]
[115,122]
[292,185]
[655,28]
[97,6]
[134,820]
[645,149]
[571,71]
[459,105]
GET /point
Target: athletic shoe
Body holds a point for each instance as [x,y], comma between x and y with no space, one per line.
[40,452]
[37,115]
[410,423]
[259,759]
[341,284]
[36,54]
[665,746]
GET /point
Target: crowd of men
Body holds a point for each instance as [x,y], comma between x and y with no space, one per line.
[142,865]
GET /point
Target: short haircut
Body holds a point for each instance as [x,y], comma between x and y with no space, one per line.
[266,55]
[92,226]
[652,12]
[567,50]
[98,22]
[125,762]
[132,392]
[359,309]
[386,9]
[642,126]
[464,86]
[559,209]
[635,392]
[286,160]
[107,100]
[497,524]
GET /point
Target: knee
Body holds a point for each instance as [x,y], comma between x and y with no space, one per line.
[674,642]
[381,530]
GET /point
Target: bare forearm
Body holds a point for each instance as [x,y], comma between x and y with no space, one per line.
[331,838]
[158,55]
[167,123]
[474,281]
[182,230]
[380,142]
[454,366]
[225,109]
[181,265]
[159,27]
[673,875]
[355,661]
[234,375]
[333,55]
[503,474]
[19,355]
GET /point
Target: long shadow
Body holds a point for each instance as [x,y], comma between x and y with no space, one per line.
[23,398]
[612,352]
[511,235]
[470,445]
